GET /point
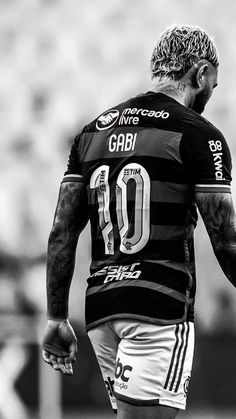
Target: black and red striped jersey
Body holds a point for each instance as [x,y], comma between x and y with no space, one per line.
[141,163]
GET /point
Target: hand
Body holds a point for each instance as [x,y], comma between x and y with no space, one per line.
[60,346]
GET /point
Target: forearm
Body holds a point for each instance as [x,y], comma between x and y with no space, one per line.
[60,268]
[70,219]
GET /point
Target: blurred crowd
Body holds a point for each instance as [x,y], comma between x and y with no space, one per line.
[62,63]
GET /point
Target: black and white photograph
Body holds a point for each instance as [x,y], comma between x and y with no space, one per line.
[117,209]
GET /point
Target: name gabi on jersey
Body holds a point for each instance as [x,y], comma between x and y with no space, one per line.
[125,119]
[216,147]
[119,272]
[122,142]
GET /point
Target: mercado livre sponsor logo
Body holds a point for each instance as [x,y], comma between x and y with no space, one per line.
[107,119]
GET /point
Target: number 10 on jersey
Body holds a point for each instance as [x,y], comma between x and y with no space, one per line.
[141,229]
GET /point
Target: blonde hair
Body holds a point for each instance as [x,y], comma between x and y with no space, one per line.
[179,48]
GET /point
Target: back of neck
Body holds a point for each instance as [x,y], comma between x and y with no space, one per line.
[175,90]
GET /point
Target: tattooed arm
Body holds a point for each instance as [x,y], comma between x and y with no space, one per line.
[217,211]
[70,219]
[59,342]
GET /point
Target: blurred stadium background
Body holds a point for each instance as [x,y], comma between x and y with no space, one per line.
[62,63]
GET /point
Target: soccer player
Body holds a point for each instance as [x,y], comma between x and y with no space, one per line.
[138,172]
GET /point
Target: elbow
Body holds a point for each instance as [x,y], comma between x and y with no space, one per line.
[223,252]
[226,256]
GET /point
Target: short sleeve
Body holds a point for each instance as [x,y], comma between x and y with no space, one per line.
[73,172]
[208,160]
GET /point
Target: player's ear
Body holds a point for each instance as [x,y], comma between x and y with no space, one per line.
[197,74]
[200,75]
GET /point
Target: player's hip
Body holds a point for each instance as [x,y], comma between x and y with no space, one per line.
[147,363]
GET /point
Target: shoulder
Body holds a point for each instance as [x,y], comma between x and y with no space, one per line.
[153,110]
[108,118]
[201,136]
[198,129]
[142,109]
[193,122]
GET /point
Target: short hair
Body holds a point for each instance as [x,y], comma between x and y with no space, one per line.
[179,48]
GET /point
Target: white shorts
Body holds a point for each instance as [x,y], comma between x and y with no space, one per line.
[145,364]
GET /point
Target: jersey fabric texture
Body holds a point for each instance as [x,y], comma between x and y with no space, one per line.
[141,163]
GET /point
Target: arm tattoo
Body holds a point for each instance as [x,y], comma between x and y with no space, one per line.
[218,214]
[70,218]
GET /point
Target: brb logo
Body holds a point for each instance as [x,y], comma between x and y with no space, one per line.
[122,372]
[107,119]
